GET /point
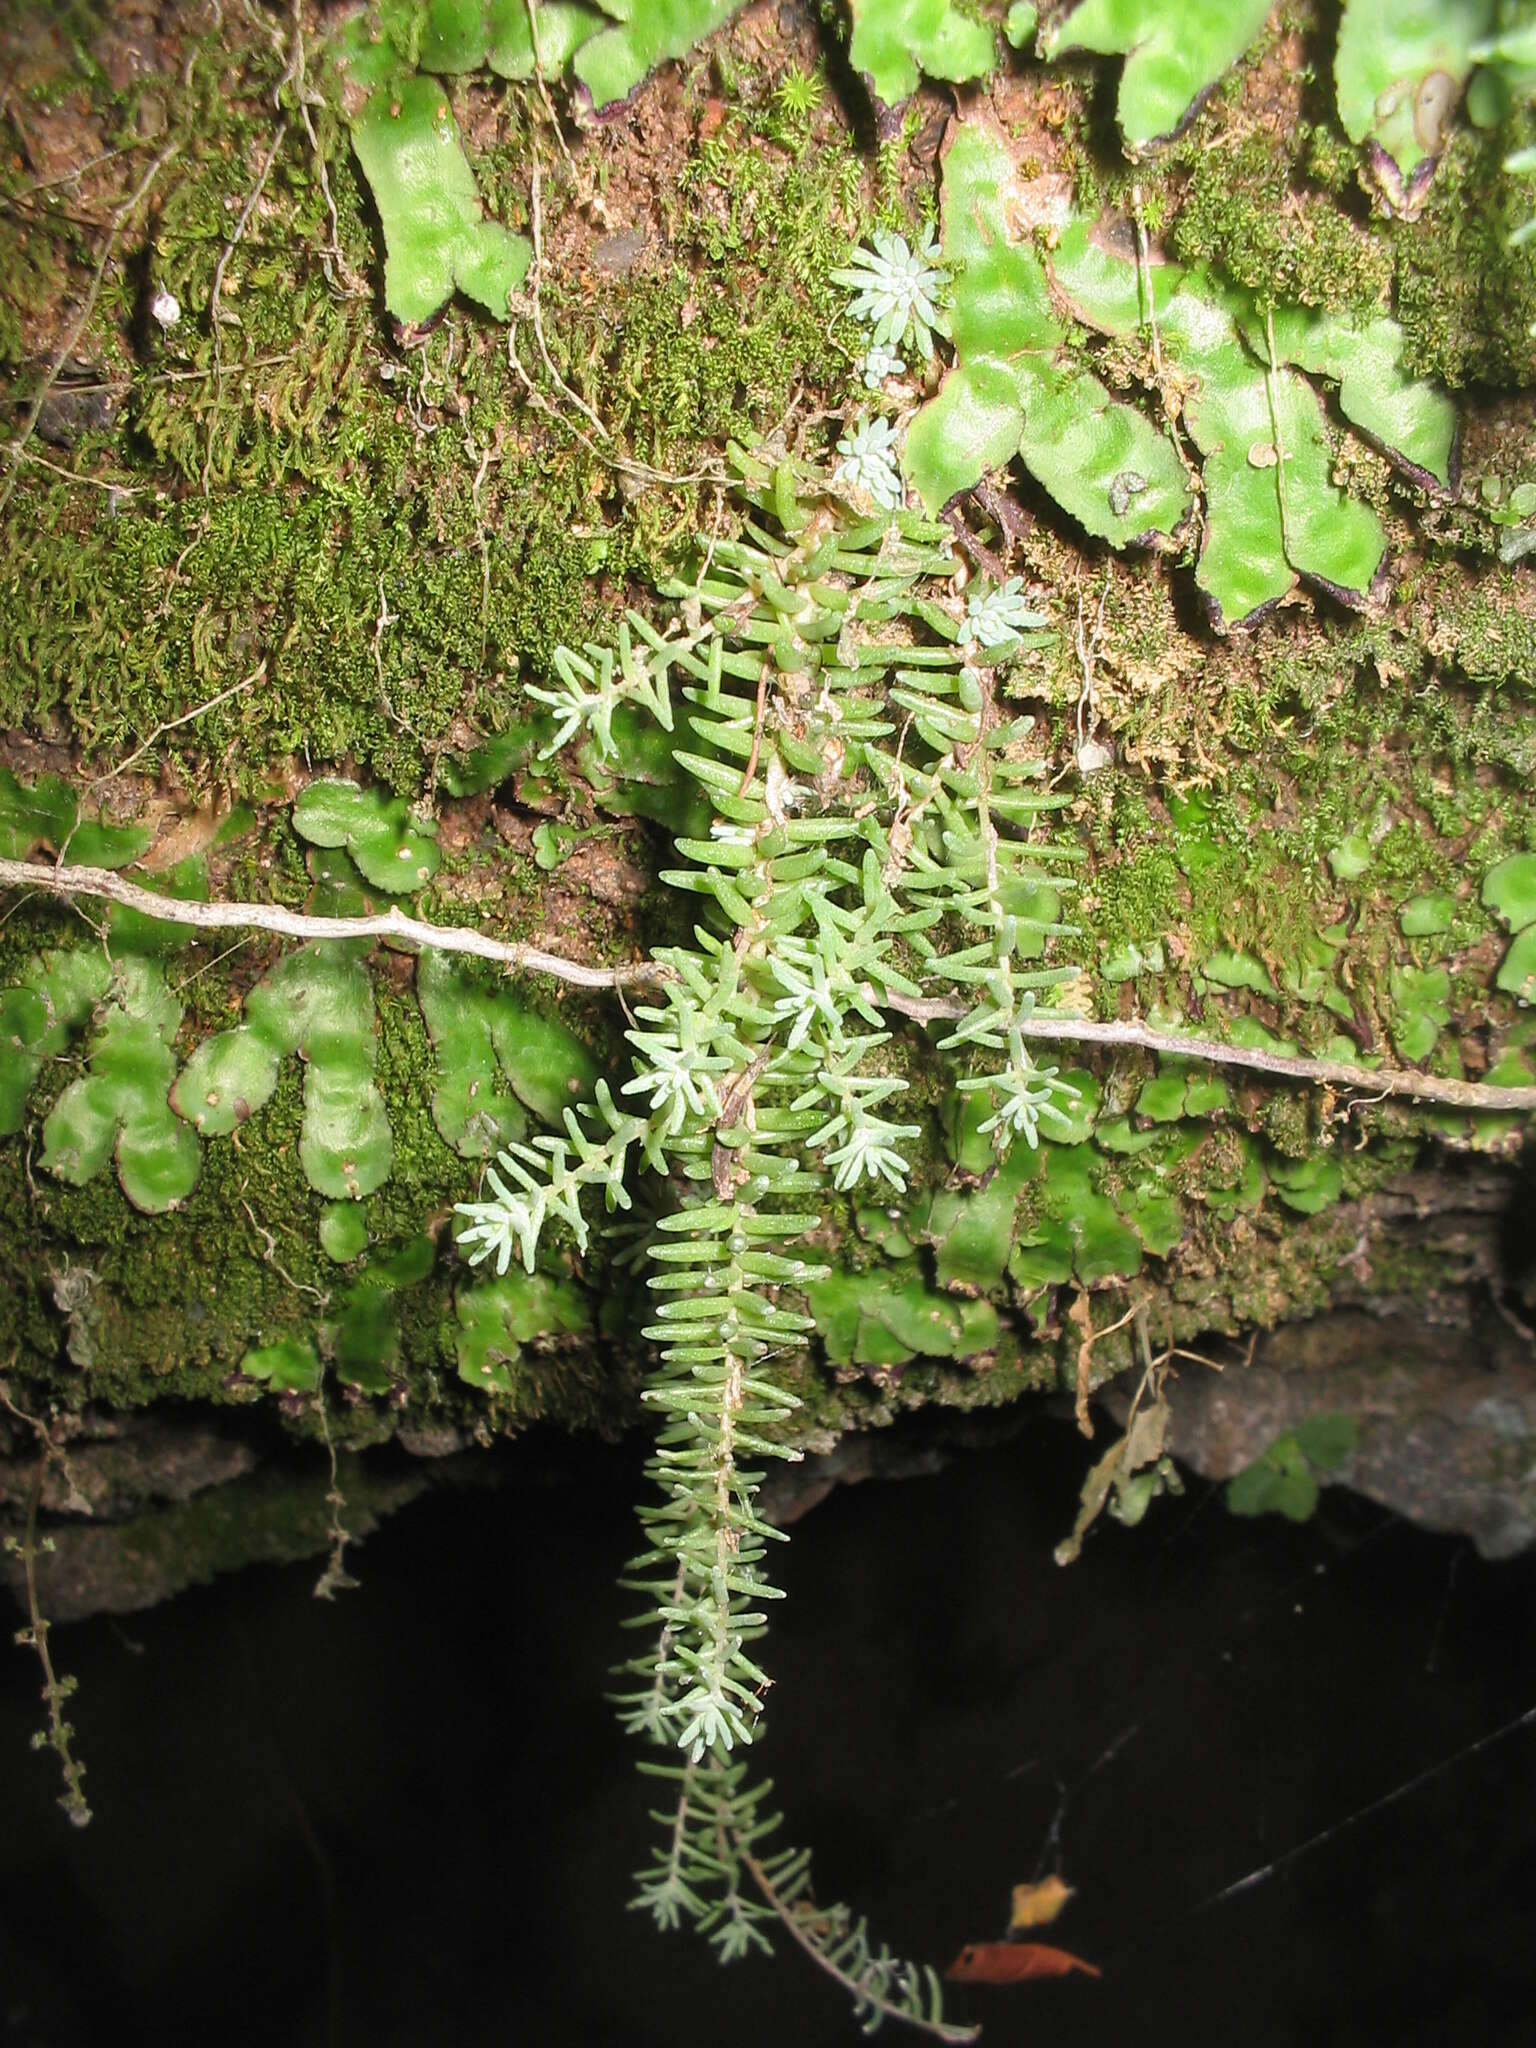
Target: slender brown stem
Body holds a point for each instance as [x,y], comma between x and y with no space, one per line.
[939,2029]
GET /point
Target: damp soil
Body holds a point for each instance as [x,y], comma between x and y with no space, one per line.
[1287,1769]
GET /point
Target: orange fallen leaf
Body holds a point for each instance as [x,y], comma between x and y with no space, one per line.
[1013,1962]
[1036,1905]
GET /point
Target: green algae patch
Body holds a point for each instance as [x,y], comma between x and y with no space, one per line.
[391,849]
[1174,53]
[318,1004]
[119,1108]
[436,236]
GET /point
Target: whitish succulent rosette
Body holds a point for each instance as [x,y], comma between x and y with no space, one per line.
[897,289]
[869,452]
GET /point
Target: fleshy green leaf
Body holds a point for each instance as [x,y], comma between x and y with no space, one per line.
[436,237]
[1517,974]
[481,1036]
[1174,50]
[38,1016]
[497,1318]
[1016,390]
[391,849]
[497,35]
[1509,890]
[120,1106]
[1399,70]
[318,1003]
[614,61]
[896,40]
[289,1366]
[1410,420]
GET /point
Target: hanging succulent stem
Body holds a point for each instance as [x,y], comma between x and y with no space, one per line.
[875,820]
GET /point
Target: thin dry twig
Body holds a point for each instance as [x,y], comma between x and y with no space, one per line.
[56,1689]
[1055,1029]
[294,924]
[74,476]
[335,1578]
[1044,1025]
[537,223]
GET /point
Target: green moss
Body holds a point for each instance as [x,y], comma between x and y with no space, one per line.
[1245,212]
[1466,300]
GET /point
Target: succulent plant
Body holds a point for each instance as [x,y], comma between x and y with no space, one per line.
[896,290]
[868,451]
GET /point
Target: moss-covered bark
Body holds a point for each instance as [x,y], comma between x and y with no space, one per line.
[302,542]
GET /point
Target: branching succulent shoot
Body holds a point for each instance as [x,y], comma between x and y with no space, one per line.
[759,1080]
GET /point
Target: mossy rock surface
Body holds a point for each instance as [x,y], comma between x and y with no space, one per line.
[273,628]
